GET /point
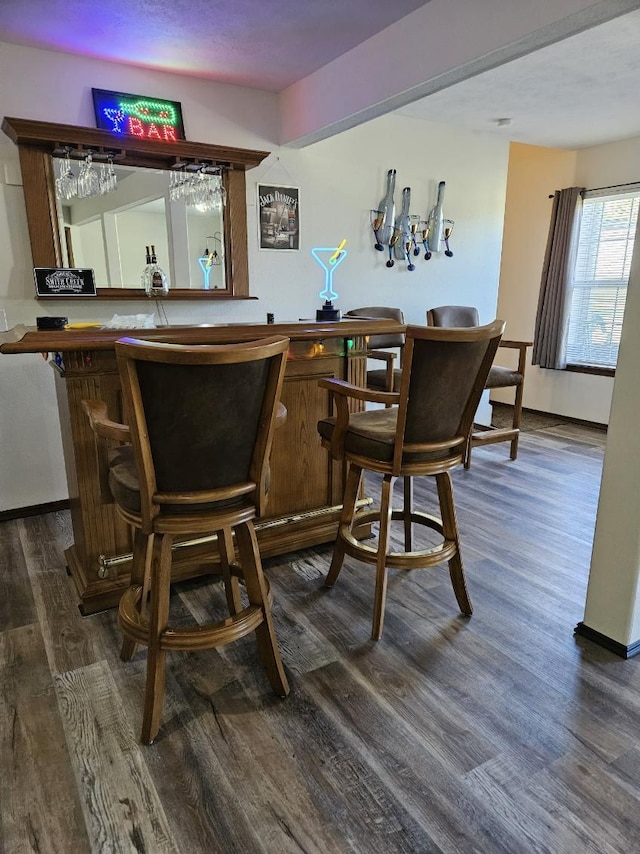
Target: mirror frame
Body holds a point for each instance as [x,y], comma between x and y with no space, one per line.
[37,142]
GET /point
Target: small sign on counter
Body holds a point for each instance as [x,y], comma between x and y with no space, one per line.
[64,282]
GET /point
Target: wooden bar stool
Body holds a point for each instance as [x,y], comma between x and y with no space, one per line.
[194,462]
[423,433]
[499,377]
[383,347]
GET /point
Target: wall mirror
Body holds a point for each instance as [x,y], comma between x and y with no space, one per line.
[111,229]
[201,246]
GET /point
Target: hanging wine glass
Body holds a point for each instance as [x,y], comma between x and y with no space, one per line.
[178,181]
[88,179]
[395,236]
[448,228]
[424,230]
[377,220]
[216,195]
[414,225]
[173,176]
[66,182]
[221,192]
[108,177]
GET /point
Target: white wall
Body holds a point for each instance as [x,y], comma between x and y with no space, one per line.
[534,173]
[340,180]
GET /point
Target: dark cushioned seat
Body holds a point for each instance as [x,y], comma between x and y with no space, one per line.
[123,478]
[373,434]
[378,379]
[503,377]
[125,486]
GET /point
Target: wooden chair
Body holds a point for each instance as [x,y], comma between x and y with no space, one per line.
[499,377]
[201,421]
[383,347]
[424,433]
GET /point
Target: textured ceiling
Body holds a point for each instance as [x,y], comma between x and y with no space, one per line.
[579,92]
[582,91]
[263,44]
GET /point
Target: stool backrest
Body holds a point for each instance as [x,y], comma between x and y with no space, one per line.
[201,418]
[443,377]
[383,341]
[453,315]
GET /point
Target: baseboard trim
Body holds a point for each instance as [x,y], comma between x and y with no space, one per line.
[608,643]
[525,409]
[34,510]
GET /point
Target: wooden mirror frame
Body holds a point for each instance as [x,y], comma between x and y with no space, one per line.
[37,141]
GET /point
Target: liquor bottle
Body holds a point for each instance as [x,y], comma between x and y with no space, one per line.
[154,278]
[145,270]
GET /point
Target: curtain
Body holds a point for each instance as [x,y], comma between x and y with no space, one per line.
[553,303]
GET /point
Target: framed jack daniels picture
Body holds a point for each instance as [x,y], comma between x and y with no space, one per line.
[64,282]
[278,217]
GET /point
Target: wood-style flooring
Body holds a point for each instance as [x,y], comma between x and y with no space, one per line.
[498,733]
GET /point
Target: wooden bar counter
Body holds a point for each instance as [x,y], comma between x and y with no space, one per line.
[306,486]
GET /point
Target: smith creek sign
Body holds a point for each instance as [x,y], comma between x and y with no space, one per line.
[54,282]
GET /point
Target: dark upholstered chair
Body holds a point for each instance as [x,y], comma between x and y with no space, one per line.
[195,462]
[499,377]
[424,433]
[382,347]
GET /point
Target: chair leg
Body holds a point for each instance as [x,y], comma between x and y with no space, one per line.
[346,520]
[466,457]
[158,621]
[386,508]
[140,570]
[450,531]
[407,510]
[517,417]
[231,584]
[257,592]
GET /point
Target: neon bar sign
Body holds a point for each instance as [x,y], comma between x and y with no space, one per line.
[138,116]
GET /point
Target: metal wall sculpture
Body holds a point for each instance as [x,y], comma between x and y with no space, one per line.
[437,230]
[399,234]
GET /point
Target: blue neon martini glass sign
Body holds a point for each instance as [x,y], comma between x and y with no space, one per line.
[329,258]
[206,262]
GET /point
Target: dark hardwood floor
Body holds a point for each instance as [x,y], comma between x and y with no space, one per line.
[498,733]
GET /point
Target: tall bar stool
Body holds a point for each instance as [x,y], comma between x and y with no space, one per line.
[195,462]
[383,347]
[499,377]
[423,433]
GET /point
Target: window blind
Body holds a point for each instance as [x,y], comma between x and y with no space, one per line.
[600,277]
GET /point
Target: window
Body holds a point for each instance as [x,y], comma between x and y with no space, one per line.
[600,277]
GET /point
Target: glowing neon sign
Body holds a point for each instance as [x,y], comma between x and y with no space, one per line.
[140,116]
[334,256]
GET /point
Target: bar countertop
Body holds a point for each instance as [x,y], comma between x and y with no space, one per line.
[28,339]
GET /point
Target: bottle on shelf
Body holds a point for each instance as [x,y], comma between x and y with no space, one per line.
[145,270]
[154,279]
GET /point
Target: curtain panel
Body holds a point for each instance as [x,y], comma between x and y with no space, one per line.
[553,303]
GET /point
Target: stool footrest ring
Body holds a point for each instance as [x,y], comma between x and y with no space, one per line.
[421,559]
[135,626]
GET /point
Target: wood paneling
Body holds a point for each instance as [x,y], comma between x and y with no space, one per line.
[302,470]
